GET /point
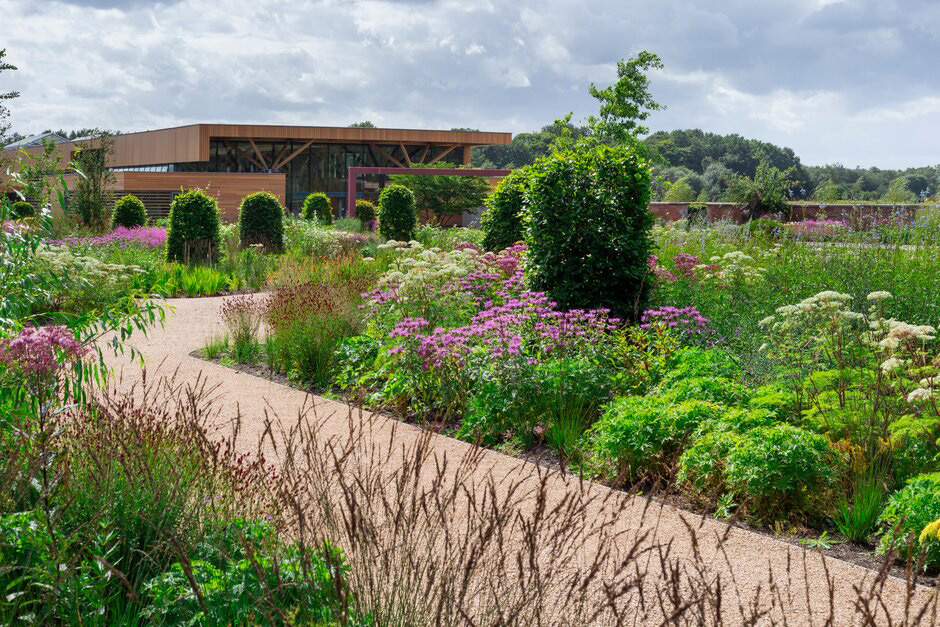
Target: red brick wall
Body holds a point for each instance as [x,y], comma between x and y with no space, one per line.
[859,214]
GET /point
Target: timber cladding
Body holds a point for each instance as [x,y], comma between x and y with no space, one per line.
[228,187]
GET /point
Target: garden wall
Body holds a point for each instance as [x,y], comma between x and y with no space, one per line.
[855,214]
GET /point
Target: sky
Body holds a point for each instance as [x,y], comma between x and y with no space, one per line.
[855,82]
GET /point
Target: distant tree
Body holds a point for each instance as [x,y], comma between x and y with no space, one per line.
[899,192]
[91,197]
[680,191]
[765,194]
[526,147]
[364,124]
[445,195]
[4,96]
[628,102]
[828,191]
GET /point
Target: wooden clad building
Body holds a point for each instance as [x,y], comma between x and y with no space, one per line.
[232,160]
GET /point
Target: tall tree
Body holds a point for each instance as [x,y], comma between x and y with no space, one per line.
[363,124]
[445,195]
[4,96]
[91,199]
[628,102]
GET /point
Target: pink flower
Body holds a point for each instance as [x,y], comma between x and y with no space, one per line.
[41,351]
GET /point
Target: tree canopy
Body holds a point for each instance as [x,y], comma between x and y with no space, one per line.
[444,195]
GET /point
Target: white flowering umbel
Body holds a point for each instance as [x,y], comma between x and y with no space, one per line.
[876,377]
[733,267]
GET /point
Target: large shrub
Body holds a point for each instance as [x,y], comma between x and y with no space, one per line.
[318,207]
[261,221]
[502,220]
[193,236]
[908,517]
[398,215]
[588,228]
[129,212]
[365,211]
[22,209]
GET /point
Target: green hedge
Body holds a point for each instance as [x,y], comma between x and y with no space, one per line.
[398,215]
[22,209]
[261,221]
[193,236]
[365,211]
[502,220]
[129,212]
[318,207]
[588,229]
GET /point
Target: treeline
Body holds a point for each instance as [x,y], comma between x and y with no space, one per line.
[692,165]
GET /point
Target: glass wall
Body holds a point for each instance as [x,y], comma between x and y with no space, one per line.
[317,168]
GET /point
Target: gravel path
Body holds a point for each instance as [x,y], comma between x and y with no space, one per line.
[752,559]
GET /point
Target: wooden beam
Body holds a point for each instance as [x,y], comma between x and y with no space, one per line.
[280,153]
[246,155]
[404,151]
[388,156]
[424,153]
[290,157]
[442,155]
[258,153]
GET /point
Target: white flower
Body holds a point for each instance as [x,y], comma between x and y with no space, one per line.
[891,364]
[889,343]
[920,394]
[878,296]
[766,321]
[853,315]
[829,296]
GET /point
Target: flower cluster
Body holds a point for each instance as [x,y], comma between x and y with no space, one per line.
[97,273]
[41,352]
[685,320]
[735,266]
[121,237]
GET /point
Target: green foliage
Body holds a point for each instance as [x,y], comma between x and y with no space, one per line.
[588,229]
[899,192]
[22,209]
[766,193]
[348,225]
[857,515]
[91,195]
[193,236]
[715,389]
[318,207]
[626,103]
[766,229]
[129,212]
[690,363]
[261,222]
[398,215]
[906,517]
[444,195]
[365,211]
[502,221]
[680,191]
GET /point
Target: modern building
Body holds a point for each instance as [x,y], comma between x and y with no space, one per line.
[232,160]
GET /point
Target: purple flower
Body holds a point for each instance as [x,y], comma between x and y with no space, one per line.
[41,351]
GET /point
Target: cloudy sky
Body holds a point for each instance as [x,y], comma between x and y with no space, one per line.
[849,81]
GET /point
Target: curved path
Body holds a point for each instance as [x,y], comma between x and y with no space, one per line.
[750,560]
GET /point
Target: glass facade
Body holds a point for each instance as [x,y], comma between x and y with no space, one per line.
[316,168]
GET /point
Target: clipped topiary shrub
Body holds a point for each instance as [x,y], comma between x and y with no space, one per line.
[588,229]
[318,207]
[365,211]
[193,236]
[261,221]
[398,215]
[129,212]
[502,220]
[909,521]
[22,209]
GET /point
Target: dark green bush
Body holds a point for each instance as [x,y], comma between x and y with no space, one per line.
[502,221]
[906,517]
[129,212]
[365,211]
[588,229]
[398,215]
[193,236]
[318,207]
[22,209]
[261,221]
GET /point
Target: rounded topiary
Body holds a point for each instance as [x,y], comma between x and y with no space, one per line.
[318,207]
[22,209]
[193,236]
[502,220]
[587,227]
[129,212]
[398,215]
[365,211]
[261,221]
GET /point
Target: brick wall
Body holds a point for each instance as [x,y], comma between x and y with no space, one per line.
[856,215]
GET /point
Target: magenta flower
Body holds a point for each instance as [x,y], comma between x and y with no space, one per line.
[121,237]
[41,351]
